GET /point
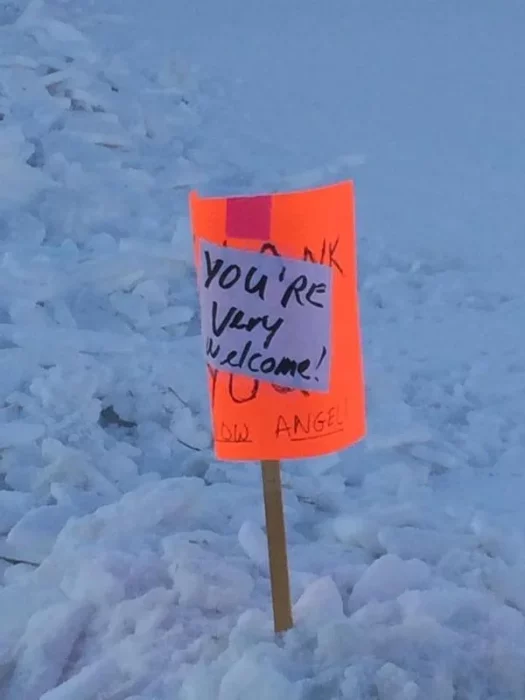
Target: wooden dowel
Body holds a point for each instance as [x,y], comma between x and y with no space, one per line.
[277,554]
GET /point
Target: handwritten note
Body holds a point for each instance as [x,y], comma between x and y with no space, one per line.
[266,317]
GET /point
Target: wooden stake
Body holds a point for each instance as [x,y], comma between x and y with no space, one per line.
[278,558]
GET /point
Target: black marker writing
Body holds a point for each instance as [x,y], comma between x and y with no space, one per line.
[266,319]
[251,387]
[234,433]
[312,426]
[327,255]
[236,319]
[300,284]
[255,362]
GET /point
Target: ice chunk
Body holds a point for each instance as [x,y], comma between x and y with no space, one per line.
[17,572]
[33,537]
[152,293]
[17,433]
[87,684]
[13,505]
[398,478]
[23,226]
[391,421]
[55,342]
[387,578]
[20,181]
[393,683]
[508,583]
[101,129]
[4,568]
[254,678]
[321,603]
[99,579]
[171,316]
[205,580]
[428,545]
[318,466]
[45,649]
[188,431]
[360,531]
[77,499]
[254,543]
[121,469]
[19,603]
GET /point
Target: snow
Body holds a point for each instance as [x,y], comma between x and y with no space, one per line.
[133,565]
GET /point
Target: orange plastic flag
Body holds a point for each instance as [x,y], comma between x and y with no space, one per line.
[278,290]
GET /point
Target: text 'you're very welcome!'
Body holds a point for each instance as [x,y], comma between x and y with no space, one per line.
[259,313]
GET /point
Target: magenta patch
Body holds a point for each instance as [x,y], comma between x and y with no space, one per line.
[249,217]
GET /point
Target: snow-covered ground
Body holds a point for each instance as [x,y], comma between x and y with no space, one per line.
[132,564]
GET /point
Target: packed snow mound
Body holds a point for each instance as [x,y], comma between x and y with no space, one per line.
[162,595]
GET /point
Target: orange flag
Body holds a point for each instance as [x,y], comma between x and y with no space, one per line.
[278,288]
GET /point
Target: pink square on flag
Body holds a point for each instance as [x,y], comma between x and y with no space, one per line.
[249,217]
